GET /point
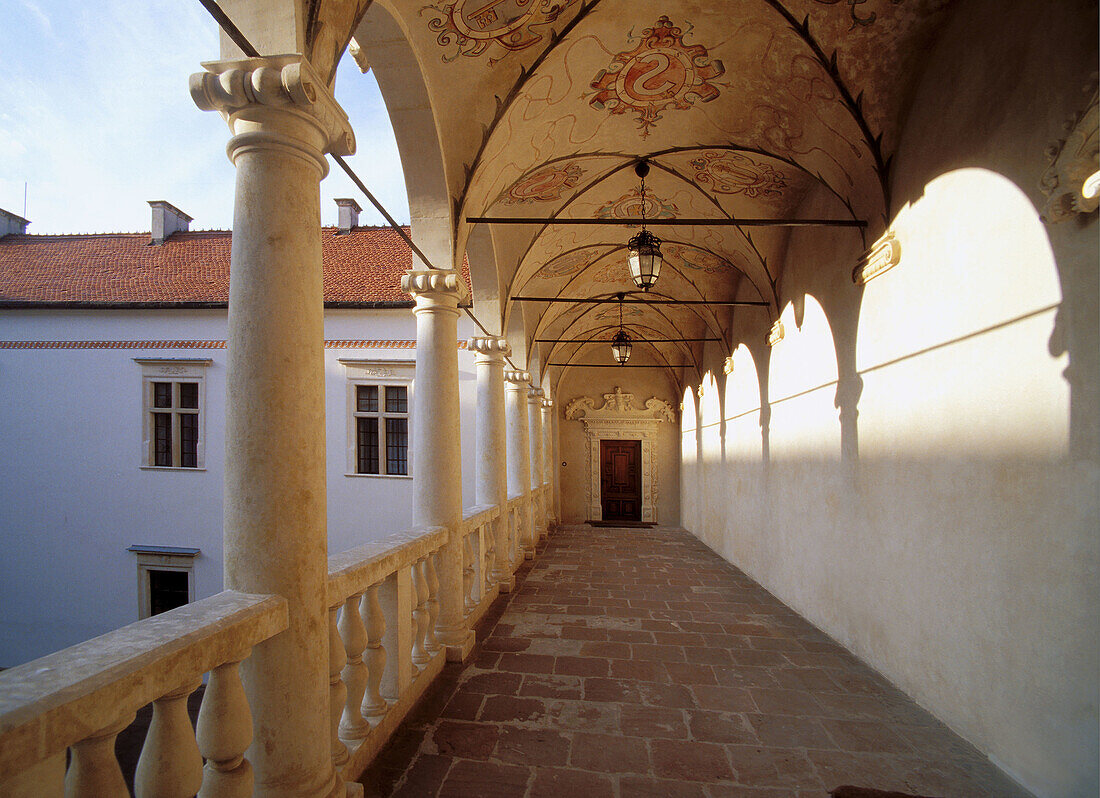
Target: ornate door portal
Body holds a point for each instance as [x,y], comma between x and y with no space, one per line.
[621,480]
[619,421]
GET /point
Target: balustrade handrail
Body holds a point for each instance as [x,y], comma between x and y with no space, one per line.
[473,517]
[58,700]
[349,572]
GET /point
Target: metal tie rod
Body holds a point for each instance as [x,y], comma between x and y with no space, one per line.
[593,301]
[623,365]
[685,222]
[632,340]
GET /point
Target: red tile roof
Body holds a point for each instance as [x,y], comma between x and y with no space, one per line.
[189,268]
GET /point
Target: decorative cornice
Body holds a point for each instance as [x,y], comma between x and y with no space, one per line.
[1072,181]
[285,82]
[517,378]
[434,284]
[619,406]
[489,348]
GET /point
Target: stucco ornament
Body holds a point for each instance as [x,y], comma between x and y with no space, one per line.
[661,73]
[1072,181]
[619,419]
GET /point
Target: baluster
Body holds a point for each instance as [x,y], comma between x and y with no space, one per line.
[337,692]
[224,731]
[354,635]
[489,569]
[94,769]
[468,602]
[432,580]
[374,620]
[420,654]
[396,597]
[170,764]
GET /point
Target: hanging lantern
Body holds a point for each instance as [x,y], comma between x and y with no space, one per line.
[644,256]
[644,259]
[621,346]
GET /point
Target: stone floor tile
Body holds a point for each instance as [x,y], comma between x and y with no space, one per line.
[425,779]
[552,686]
[610,753]
[790,731]
[464,740]
[720,727]
[724,699]
[646,787]
[760,766]
[493,682]
[559,782]
[531,746]
[640,671]
[463,706]
[653,722]
[690,761]
[508,709]
[867,736]
[468,779]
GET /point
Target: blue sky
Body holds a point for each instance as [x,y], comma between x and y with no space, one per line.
[96,119]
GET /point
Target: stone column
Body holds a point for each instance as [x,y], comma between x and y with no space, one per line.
[492,473]
[283,120]
[436,446]
[534,418]
[548,464]
[519,455]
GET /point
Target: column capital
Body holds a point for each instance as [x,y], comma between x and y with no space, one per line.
[534,395]
[490,349]
[435,286]
[547,404]
[240,90]
[517,379]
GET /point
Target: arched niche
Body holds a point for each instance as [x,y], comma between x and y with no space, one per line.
[802,381]
[955,342]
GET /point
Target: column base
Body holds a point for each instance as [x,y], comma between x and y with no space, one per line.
[352,789]
[529,554]
[507,585]
[458,652]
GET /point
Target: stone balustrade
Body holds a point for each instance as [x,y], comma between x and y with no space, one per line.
[383,600]
[80,698]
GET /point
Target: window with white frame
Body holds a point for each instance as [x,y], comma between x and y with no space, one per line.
[379,400]
[173,393]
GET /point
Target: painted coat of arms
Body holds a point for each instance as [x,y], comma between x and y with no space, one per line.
[543,185]
[660,73]
[471,27]
[733,173]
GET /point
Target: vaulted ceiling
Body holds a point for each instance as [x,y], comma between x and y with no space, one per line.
[743,109]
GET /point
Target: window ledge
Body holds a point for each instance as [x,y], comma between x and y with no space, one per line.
[169,468]
[381,476]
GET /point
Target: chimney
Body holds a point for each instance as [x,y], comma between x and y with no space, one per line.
[167,219]
[10,224]
[349,216]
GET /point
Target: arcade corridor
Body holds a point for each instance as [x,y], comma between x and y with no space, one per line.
[636,662]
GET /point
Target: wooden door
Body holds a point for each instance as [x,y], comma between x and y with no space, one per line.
[621,480]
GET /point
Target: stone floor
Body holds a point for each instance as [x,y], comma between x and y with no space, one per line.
[636,662]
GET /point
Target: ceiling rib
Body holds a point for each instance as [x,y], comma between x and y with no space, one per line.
[608,340]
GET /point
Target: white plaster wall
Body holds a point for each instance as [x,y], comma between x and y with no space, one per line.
[73,496]
[949,537]
[644,384]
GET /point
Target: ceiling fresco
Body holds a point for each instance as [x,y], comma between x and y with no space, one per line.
[745,110]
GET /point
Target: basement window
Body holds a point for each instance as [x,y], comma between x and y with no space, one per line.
[166,577]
